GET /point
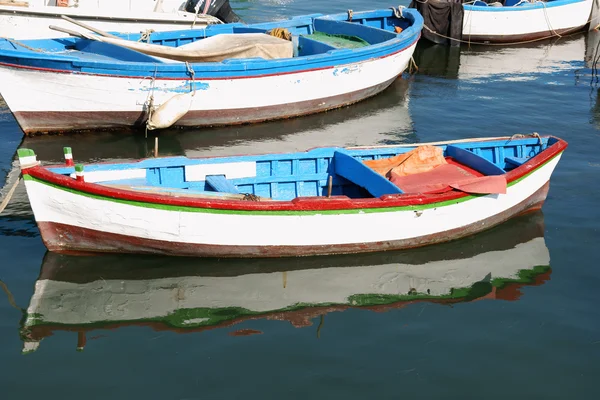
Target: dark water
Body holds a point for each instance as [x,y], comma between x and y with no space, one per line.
[510,313]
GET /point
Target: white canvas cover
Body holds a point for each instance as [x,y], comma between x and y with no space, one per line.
[213,49]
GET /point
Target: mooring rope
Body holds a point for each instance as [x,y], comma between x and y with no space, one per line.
[9,195]
[11,298]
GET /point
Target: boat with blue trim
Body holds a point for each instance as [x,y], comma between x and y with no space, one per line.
[222,75]
[328,200]
[30,19]
[504,21]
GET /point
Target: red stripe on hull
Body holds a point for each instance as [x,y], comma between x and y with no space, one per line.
[35,122]
[70,239]
[526,37]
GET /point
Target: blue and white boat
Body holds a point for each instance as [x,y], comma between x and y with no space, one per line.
[221,75]
[510,21]
[327,200]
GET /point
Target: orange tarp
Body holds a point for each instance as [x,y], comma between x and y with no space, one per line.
[447,177]
[425,170]
[419,160]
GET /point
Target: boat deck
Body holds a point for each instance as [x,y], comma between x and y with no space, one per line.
[289,176]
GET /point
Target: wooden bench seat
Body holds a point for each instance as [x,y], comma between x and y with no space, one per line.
[220,184]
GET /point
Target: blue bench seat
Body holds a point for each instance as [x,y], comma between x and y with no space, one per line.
[220,184]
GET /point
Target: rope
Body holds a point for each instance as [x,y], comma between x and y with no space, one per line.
[250,197]
[398,12]
[281,33]
[145,36]
[190,70]
[16,43]
[565,33]
[548,19]
[11,298]
[521,135]
[413,66]
[9,195]
[150,102]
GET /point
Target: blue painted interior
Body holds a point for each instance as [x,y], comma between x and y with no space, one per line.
[369,34]
[85,56]
[219,183]
[359,174]
[289,175]
[474,161]
[308,46]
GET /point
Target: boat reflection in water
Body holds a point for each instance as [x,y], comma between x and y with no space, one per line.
[512,63]
[84,294]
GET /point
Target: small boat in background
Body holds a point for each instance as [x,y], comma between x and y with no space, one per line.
[222,75]
[29,19]
[509,21]
[87,295]
[328,200]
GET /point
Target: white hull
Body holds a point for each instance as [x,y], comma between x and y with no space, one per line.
[86,101]
[55,208]
[506,24]
[33,22]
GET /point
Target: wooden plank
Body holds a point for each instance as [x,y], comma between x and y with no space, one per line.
[516,161]
[14,3]
[474,161]
[221,184]
[358,173]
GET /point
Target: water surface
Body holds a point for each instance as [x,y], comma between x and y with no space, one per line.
[512,312]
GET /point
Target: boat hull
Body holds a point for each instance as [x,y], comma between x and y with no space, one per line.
[22,23]
[75,102]
[76,222]
[521,24]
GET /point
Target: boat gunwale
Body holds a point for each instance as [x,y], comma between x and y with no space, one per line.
[329,59]
[530,6]
[180,17]
[298,204]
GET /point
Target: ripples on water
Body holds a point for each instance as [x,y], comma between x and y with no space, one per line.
[511,312]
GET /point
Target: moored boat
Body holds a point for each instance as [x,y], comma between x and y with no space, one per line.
[88,295]
[29,19]
[227,74]
[510,21]
[322,201]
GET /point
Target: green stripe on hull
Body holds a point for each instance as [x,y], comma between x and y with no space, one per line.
[167,207]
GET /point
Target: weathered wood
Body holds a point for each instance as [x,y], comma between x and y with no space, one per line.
[14,3]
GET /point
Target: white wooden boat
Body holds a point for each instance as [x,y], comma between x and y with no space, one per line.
[29,19]
[510,21]
[108,83]
[327,200]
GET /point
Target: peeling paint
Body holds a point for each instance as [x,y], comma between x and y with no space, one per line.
[185,87]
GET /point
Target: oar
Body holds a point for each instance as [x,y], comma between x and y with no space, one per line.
[72,33]
[90,28]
